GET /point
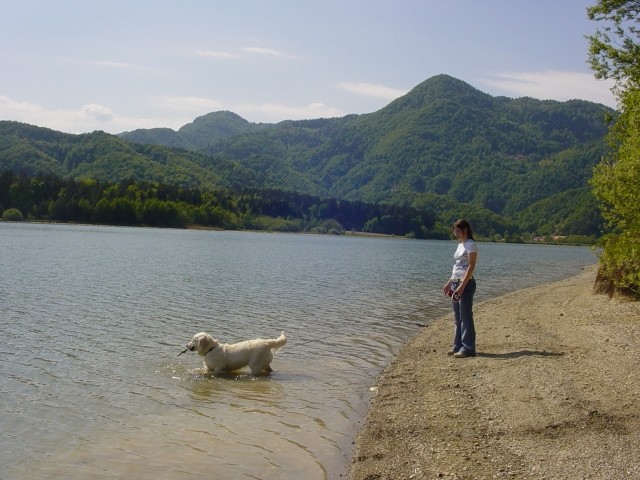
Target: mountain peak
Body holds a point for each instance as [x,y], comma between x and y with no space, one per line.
[438,88]
[216,118]
[214,126]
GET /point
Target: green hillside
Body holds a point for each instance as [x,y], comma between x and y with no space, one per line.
[444,146]
[198,135]
[443,137]
[104,157]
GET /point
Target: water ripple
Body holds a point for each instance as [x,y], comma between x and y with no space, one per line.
[93,318]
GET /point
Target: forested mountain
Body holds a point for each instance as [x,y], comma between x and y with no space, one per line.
[198,135]
[444,146]
[104,157]
[443,137]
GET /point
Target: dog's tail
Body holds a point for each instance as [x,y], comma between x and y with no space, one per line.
[279,342]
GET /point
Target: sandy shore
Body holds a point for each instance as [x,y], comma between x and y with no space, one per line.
[554,393]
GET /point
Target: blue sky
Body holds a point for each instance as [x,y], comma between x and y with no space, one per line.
[83,65]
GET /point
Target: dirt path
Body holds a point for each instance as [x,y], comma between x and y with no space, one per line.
[554,393]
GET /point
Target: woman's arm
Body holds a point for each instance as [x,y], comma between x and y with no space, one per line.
[446,287]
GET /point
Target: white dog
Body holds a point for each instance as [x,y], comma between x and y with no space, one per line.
[224,357]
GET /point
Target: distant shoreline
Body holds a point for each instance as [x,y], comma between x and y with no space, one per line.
[352,233]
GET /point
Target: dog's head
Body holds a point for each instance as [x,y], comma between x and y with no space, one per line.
[201,343]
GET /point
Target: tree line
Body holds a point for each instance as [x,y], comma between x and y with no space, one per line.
[52,198]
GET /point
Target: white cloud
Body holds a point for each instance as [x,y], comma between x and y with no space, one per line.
[113,65]
[245,51]
[269,52]
[97,113]
[554,85]
[265,112]
[88,118]
[372,90]
[175,111]
[214,54]
[110,64]
[17,110]
[187,104]
[272,112]
[171,112]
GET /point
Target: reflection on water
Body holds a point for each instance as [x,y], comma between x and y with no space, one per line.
[93,318]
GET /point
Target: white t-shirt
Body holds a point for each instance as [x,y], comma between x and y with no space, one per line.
[462,258]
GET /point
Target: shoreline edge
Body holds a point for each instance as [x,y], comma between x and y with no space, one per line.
[552,393]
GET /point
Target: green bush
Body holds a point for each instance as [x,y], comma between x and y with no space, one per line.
[12,215]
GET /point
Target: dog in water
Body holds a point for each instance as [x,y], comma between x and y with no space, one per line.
[224,357]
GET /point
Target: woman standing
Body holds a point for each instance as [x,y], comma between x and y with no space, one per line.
[461,287]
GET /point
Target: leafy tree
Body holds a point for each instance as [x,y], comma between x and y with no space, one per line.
[616,183]
[615,54]
[614,50]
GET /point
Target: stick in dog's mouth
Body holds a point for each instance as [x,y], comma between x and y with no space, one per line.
[183,351]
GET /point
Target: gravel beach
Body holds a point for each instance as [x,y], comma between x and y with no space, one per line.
[554,393]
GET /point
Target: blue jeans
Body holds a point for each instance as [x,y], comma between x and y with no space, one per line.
[464,338]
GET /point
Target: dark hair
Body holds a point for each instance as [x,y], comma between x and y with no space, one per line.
[465,225]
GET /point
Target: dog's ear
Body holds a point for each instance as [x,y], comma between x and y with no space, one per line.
[197,341]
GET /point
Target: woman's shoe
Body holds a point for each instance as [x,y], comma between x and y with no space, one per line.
[463,354]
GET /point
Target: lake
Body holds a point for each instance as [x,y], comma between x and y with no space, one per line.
[92,320]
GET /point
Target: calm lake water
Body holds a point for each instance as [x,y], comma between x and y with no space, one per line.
[92,318]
